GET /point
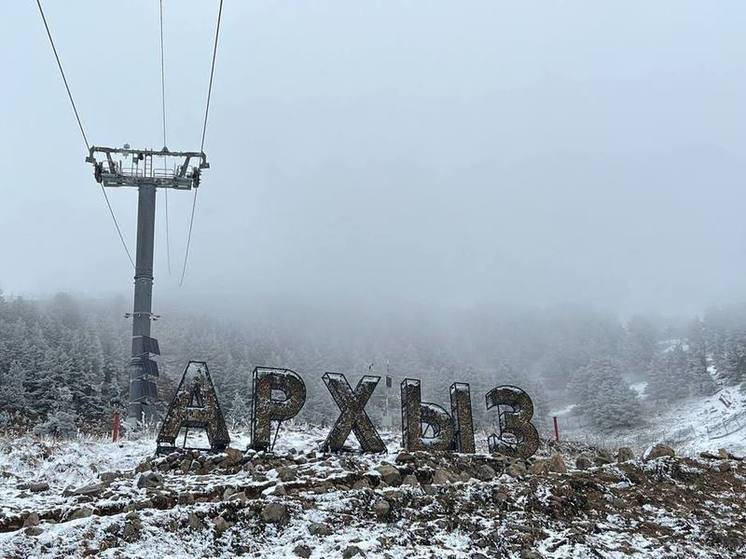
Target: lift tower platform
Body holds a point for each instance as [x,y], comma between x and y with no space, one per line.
[147,170]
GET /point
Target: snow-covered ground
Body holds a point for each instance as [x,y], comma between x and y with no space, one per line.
[609,511]
[690,426]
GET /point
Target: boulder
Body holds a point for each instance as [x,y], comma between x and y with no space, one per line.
[221,524]
[31,520]
[34,531]
[319,529]
[390,474]
[275,513]
[82,512]
[624,454]
[361,484]
[404,457]
[194,522]
[603,457]
[38,487]
[234,456]
[485,472]
[411,481]
[149,480]
[132,527]
[557,464]
[351,551]
[516,469]
[108,477]
[539,467]
[658,451]
[91,490]
[583,462]
[302,550]
[286,474]
[440,477]
[381,508]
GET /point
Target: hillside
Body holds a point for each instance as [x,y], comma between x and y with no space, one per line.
[90,496]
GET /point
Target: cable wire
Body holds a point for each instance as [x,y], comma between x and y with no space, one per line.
[202,144]
[189,239]
[212,74]
[82,130]
[163,112]
[64,79]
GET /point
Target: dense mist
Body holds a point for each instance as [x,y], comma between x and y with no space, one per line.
[387,155]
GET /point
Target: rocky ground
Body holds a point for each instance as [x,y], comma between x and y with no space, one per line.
[568,501]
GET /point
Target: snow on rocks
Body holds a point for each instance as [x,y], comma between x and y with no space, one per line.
[298,502]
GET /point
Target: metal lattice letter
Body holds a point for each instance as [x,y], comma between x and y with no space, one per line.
[352,416]
[416,413]
[195,405]
[516,422]
[462,418]
[266,408]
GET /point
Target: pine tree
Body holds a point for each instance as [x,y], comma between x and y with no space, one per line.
[12,393]
[602,395]
[240,412]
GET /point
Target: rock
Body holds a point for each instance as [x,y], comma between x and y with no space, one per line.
[539,467]
[381,508]
[319,529]
[108,477]
[91,490]
[149,480]
[132,527]
[234,456]
[221,525]
[82,512]
[275,513]
[286,474]
[485,472]
[404,457]
[440,477]
[516,469]
[557,464]
[34,531]
[351,551]
[194,522]
[31,520]
[185,498]
[583,462]
[658,451]
[361,484]
[602,458]
[722,453]
[38,487]
[389,474]
[185,465]
[624,454]
[302,550]
[411,481]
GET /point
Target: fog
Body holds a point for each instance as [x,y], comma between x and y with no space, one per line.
[432,154]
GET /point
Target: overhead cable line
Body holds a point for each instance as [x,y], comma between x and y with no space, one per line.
[82,130]
[202,144]
[163,111]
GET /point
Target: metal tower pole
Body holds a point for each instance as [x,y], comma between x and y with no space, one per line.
[111,169]
[139,400]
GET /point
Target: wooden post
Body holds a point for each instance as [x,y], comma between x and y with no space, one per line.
[116,422]
[556,428]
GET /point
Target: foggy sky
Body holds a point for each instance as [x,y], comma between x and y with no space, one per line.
[443,153]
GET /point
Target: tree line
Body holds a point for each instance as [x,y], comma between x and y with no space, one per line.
[63,360]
